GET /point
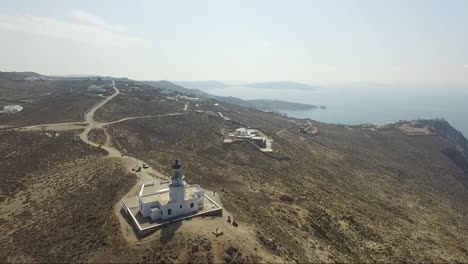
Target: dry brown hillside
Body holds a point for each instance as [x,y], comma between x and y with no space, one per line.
[345,194]
[45,100]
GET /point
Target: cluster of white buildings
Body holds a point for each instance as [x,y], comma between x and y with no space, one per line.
[10,109]
[185,97]
[167,92]
[175,96]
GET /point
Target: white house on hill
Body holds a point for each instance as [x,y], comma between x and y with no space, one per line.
[241,133]
[96,89]
[12,108]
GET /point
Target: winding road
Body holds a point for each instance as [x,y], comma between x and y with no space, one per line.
[130,162]
[89,119]
[90,124]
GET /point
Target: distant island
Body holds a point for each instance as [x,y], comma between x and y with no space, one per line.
[277,105]
[281,85]
[212,84]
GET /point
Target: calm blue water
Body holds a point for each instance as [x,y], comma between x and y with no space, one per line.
[358,105]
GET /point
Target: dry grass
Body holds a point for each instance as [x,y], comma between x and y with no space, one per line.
[132,104]
[98,136]
[357,196]
[61,212]
[344,196]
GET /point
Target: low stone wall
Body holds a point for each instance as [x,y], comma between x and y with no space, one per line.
[218,211]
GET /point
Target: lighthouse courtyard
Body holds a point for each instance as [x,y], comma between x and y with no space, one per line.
[159,203]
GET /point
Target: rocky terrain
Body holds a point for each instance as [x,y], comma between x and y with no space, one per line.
[343,194]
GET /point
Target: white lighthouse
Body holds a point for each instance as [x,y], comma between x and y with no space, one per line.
[174,200]
[177,200]
[177,186]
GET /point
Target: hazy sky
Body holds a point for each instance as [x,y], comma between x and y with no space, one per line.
[316,42]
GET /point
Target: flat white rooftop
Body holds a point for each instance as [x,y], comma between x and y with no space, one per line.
[152,193]
[254,134]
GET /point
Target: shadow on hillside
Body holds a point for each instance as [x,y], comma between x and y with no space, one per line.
[168,231]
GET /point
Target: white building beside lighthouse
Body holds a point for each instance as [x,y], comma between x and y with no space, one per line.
[177,200]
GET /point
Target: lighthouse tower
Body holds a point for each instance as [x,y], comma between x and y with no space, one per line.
[177,185]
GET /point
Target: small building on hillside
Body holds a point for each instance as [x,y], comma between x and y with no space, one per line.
[251,134]
[241,133]
[10,109]
[96,89]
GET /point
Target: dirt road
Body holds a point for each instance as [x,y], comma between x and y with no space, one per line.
[129,162]
[89,124]
[244,235]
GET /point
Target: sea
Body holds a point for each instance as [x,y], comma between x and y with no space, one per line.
[355,104]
